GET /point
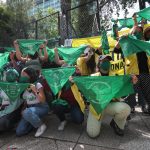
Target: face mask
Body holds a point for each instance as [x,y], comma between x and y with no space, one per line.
[24,79]
[138,35]
[105,65]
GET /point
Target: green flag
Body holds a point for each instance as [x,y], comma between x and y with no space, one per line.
[130,45]
[105,43]
[30,46]
[57,77]
[3,58]
[100,90]
[145,13]
[9,49]
[13,90]
[128,22]
[70,55]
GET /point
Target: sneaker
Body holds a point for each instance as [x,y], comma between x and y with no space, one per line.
[128,118]
[40,130]
[62,125]
[117,130]
[132,110]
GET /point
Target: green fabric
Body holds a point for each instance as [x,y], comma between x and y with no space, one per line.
[114,29]
[105,65]
[100,90]
[138,35]
[130,45]
[105,43]
[24,79]
[59,102]
[12,75]
[145,13]
[70,55]
[9,49]
[13,90]
[127,22]
[57,77]
[30,46]
[3,58]
[12,107]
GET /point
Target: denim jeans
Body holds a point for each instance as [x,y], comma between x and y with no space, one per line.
[31,118]
[77,115]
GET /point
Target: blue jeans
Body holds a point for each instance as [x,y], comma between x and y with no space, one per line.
[77,115]
[31,118]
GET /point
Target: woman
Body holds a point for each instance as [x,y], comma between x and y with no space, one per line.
[9,110]
[118,110]
[70,101]
[36,106]
[86,63]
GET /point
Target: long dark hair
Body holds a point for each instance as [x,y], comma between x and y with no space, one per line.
[32,74]
[91,64]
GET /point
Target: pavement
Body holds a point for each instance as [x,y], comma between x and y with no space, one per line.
[74,137]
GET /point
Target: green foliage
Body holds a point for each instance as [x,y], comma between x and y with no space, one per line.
[47,27]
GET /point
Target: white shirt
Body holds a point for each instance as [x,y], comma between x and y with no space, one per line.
[30,97]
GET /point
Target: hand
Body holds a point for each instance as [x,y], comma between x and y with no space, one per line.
[42,46]
[33,88]
[15,43]
[71,79]
[134,79]
[45,43]
[134,16]
[55,49]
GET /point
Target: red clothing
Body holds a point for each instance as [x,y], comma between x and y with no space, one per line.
[68,96]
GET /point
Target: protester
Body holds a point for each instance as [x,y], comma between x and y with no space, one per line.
[35,107]
[9,117]
[141,68]
[118,110]
[68,102]
[87,63]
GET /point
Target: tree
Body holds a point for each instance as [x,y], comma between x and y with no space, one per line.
[21,19]
[5,28]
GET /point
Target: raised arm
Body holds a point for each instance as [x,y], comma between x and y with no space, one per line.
[43,47]
[57,59]
[18,53]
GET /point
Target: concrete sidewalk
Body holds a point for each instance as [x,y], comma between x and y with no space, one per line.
[74,137]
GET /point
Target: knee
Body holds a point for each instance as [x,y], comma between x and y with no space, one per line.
[26,113]
[79,119]
[93,126]
[19,132]
[125,110]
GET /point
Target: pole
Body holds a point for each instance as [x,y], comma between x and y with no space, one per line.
[142,4]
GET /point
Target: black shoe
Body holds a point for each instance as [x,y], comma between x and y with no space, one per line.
[129,118]
[117,130]
[132,110]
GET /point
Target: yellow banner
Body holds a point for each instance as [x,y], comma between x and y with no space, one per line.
[95,41]
[117,68]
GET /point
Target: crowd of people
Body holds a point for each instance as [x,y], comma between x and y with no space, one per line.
[38,99]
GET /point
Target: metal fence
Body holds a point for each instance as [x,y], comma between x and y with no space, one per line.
[80,21]
[83,20]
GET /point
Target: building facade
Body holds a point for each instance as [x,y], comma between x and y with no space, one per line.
[44,5]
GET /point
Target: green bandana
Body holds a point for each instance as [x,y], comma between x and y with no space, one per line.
[24,80]
[13,90]
[105,65]
[100,90]
[138,35]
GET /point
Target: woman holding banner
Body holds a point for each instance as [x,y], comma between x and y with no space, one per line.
[35,107]
[118,110]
